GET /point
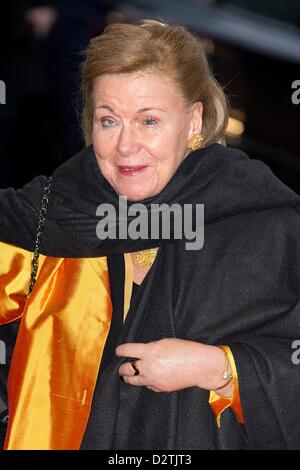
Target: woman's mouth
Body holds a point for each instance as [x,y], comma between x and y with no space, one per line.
[131,170]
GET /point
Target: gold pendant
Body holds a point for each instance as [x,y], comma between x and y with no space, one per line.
[144,258]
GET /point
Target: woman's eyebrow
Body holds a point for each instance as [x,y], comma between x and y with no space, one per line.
[106,106]
[141,110]
[151,108]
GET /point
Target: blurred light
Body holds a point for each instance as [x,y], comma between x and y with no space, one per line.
[208,45]
[236,123]
[235,127]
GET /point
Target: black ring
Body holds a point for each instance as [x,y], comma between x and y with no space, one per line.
[136,370]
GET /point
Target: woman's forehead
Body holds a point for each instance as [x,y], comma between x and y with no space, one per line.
[141,90]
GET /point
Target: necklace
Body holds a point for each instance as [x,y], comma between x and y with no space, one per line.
[144,258]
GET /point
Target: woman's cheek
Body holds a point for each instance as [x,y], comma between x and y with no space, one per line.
[104,150]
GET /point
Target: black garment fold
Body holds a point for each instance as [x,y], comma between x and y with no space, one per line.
[116,269]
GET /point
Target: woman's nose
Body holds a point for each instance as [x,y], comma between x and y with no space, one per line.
[128,141]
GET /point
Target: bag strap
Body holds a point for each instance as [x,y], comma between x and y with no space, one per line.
[42,218]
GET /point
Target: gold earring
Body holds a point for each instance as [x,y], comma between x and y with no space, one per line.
[195,141]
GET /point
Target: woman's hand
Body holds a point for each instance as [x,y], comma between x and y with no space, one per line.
[172,364]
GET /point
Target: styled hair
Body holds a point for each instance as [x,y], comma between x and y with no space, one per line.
[165,49]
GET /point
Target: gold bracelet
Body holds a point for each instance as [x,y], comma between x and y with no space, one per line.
[226,374]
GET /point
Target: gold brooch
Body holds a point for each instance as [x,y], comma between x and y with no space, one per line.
[144,258]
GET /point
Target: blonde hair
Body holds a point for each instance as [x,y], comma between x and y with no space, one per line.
[157,47]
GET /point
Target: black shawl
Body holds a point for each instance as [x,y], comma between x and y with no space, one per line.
[242,289]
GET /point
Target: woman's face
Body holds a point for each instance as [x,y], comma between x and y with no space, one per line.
[140,131]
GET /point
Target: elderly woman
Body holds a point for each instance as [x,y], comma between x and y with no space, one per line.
[200,335]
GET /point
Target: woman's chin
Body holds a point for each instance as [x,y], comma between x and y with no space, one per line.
[137,197]
[136,194]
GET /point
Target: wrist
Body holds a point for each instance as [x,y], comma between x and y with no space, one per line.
[217,372]
[225,391]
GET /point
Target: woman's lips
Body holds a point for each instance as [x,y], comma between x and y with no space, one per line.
[131,170]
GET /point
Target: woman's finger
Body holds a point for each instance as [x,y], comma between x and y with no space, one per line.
[127,369]
[134,380]
[131,349]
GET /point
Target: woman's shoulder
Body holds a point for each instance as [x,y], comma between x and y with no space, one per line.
[246,185]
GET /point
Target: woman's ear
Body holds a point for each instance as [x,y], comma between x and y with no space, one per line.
[196,119]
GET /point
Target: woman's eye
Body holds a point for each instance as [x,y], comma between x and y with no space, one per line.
[150,121]
[107,122]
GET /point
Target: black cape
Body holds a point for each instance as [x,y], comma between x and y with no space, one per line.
[242,289]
